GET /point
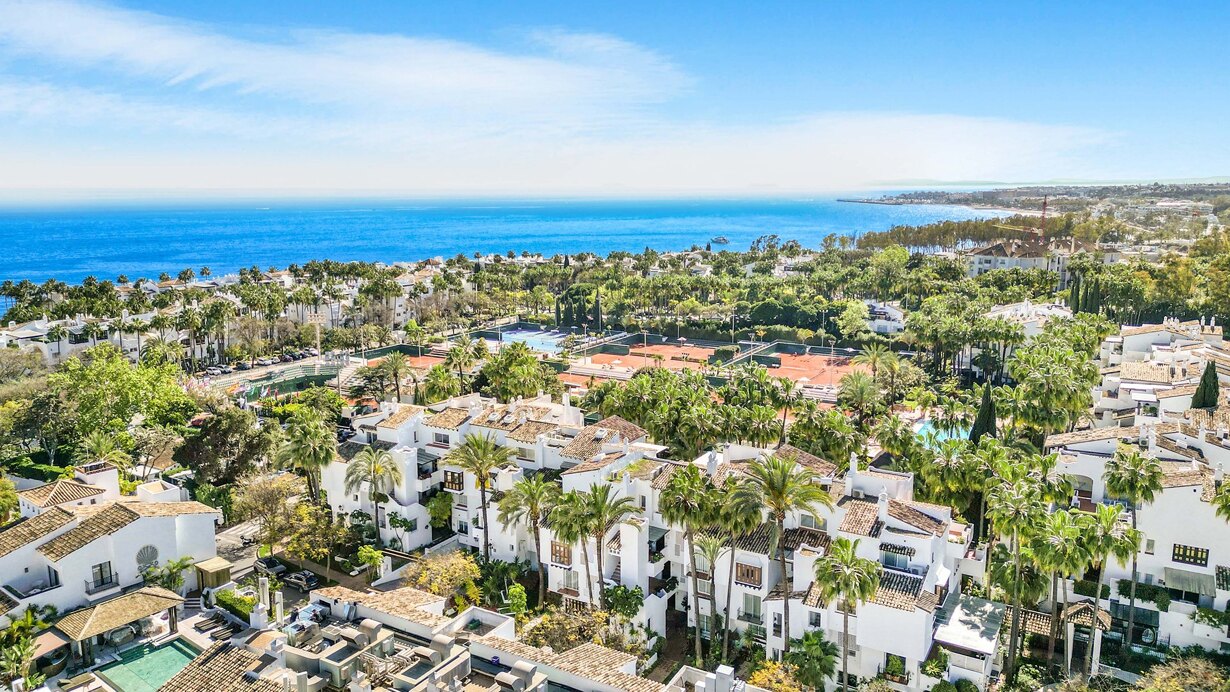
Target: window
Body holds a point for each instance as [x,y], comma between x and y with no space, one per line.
[101,575]
[751,609]
[704,587]
[642,498]
[807,521]
[440,438]
[705,623]
[463,528]
[525,453]
[894,560]
[571,580]
[413,525]
[453,480]
[747,574]
[1190,555]
[815,620]
[1149,545]
[561,553]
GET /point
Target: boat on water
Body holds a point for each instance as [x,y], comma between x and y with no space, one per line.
[720,240]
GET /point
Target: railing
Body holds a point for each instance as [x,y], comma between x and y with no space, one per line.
[93,587]
[751,618]
[758,632]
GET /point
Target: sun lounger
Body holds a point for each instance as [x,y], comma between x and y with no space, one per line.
[209,623]
[80,682]
[223,633]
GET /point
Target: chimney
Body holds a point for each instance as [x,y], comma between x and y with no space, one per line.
[567,399]
[301,681]
[711,464]
[725,679]
[882,505]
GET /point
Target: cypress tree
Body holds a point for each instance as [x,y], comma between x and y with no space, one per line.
[984,423]
[598,309]
[568,313]
[557,313]
[1209,389]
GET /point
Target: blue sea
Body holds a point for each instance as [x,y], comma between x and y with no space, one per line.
[72,243]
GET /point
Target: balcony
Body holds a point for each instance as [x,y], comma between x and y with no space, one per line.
[751,618]
[758,632]
[93,587]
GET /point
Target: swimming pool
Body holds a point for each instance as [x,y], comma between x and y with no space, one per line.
[147,668]
[545,341]
[927,427]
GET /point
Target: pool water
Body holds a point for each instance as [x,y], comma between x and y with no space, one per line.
[928,426]
[547,342]
[147,668]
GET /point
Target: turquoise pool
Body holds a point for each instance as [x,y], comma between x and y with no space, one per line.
[147,668]
[928,427]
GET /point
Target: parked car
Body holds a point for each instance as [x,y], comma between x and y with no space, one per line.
[264,361]
[227,369]
[286,358]
[213,371]
[268,565]
[304,581]
[243,366]
[312,351]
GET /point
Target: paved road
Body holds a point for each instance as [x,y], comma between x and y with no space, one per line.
[230,546]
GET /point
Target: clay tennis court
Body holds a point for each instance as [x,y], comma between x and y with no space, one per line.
[815,368]
[674,356]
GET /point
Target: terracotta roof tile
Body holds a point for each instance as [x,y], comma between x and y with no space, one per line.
[59,492]
[450,418]
[102,523]
[862,516]
[27,531]
[903,511]
[222,667]
[116,612]
[589,441]
[898,590]
[403,413]
[530,430]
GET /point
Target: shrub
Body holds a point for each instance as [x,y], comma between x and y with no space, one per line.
[1087,588]
[964,685]
[1210,617]
[944,686]
[235,603]
[724,353]
[1151,593]
[936,665]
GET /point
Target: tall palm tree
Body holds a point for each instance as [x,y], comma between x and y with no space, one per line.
[781,487]
[376,468]
[1108,535]
[843,576]
[688,501]
[814,659]
[711,547]
[461,357]
[858,393]
[1015,509]
[1060,550]
[605,513]
[440,384]
[874,356]
[138,327]
[569,520]
[309,447]
[733,520]
[528,501]
[480,455]
[57,334]
[1136,478]
[395,364]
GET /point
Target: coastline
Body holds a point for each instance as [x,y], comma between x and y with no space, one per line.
[914,203]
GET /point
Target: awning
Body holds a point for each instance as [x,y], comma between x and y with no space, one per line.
[1193,582]
[655,534]
[48,641]
[117,612]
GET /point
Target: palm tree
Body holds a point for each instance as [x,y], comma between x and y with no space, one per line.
[688,502]
[395,364]
[1136,478]
[461,357]
[814,659]
[1015,508]
[138,327]
[604,513]
[440,384]
[309,447]
[843,576]
[480,455]
[528,501]
[874,356]
[57,334]
[1059,549]
[569,520]
[1107,535]
[733,520]
[859,393]
[781,487]
[376,468]
[98,446]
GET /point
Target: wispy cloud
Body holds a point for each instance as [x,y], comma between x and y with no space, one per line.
[565,113]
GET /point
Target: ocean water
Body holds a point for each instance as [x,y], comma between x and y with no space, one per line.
[72,243]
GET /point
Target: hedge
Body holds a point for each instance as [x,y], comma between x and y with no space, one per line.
[1152,593]
[235,603]
[1086,588]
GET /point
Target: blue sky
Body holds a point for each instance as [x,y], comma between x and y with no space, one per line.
[622,99]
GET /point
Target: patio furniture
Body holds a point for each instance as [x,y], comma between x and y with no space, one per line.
[79,682]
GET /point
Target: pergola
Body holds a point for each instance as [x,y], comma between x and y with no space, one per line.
[88,626]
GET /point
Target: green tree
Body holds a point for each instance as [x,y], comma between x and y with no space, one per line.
[1108,535]
[604,513]
[984,422]
[528,501]
[308,448]
[570,522]
[843,576]
[1015,509]
[1136,478]
[689,502]
[1208,392]
[781,487]
[479,456]
[1059,547]
[814,659]
[170,575]
[268,501]
[375,468]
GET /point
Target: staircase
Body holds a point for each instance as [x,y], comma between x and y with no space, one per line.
[193,603]
[345,374]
